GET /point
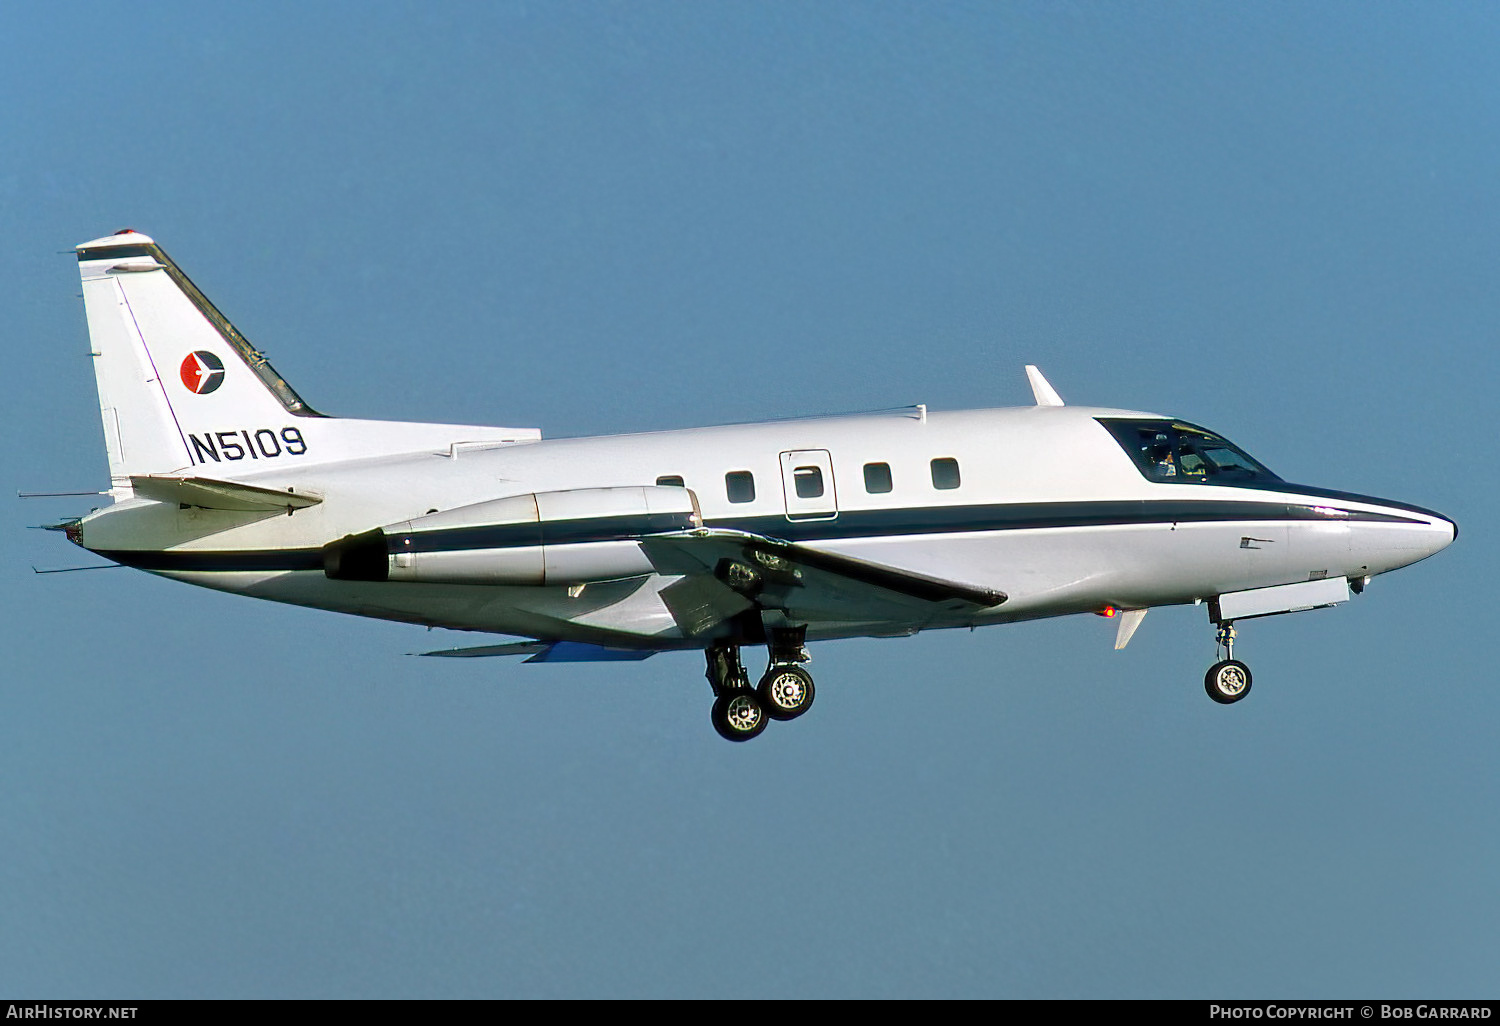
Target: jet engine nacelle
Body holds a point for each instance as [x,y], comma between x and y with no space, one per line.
[542,538]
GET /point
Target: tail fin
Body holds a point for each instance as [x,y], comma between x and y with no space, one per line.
[180,388]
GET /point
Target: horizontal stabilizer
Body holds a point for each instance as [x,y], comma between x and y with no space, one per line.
[547,652]
[61,525]
[57,495]
[209,494]
[72,569]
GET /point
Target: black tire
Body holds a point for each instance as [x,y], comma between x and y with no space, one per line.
[786,692]
[1227,682]
[738,715]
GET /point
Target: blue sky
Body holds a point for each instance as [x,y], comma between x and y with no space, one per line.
[1279,220]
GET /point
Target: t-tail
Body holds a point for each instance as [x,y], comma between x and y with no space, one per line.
[182,393]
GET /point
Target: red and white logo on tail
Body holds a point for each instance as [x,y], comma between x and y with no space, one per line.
[202,372]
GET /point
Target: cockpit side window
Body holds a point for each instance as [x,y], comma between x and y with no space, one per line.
[1176,452]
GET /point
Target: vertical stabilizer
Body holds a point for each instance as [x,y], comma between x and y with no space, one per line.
[182,391]
[170,368]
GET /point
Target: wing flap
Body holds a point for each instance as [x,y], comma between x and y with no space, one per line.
[699,603]
[808,584]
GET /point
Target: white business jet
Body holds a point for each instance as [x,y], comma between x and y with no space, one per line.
[619,547]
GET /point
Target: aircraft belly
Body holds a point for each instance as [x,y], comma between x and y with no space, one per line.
[1044,571]
[615,612]
[533,612]
[1073,569]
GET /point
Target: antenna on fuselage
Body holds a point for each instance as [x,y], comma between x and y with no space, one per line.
[1045,394]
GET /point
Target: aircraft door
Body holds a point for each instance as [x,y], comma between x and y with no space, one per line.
[807,484]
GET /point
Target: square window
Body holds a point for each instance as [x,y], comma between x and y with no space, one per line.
[740,484]
[808,482]
[670,481]
[945,473]
[877,478]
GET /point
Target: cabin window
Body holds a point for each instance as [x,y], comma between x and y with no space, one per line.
[808,482]
[670,481]
[945,473]
[877,478]
[740,486]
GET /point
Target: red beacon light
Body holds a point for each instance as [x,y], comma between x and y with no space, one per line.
[1108,611]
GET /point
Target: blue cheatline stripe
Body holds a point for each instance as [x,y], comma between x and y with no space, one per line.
[257,560]
[907,522]
[552,532]
[1039,516]
[883,523]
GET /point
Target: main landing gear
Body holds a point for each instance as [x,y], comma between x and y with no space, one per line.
[1228,680]
[784,692]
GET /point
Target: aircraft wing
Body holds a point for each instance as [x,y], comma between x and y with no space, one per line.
[725,572]
[547,652]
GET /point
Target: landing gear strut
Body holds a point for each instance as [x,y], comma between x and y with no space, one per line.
[1228,680]
[737,713]
[784,693]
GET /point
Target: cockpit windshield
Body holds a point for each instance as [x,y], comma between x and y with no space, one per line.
[1175,452]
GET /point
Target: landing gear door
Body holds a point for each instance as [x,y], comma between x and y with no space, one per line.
[807,484]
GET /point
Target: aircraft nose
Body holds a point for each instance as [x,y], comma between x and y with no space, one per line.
[1436,535]
[1419,534]
[1443,526]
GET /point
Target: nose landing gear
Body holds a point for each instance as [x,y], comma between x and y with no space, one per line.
[1228,680]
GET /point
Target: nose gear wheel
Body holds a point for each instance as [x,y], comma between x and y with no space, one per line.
[1228,680]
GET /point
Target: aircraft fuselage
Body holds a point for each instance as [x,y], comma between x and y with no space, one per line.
[708,538]
[1047,507]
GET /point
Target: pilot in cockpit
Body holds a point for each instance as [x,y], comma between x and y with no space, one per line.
[1162,460]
